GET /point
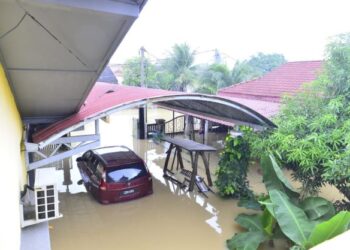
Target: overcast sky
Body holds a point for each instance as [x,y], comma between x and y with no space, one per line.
[298,29]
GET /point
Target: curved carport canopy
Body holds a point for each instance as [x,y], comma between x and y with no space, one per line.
[106,99]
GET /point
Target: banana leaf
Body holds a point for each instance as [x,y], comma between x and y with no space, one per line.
[249,203]
[317,208]
[292,220]
[274,178]
[251,222]
[268,222]
[329,229]
[246,241]
[268,205]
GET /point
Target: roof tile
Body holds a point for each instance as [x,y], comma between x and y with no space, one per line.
[286,78]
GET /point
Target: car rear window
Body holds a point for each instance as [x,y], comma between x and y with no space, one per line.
[127,173]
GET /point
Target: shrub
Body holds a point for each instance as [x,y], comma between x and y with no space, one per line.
[233,166]
[303,223]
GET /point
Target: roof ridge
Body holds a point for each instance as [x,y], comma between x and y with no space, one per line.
[304,61]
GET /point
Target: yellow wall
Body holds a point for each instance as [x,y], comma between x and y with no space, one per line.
[12,166]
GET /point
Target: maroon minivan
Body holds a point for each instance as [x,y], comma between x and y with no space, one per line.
[114,174]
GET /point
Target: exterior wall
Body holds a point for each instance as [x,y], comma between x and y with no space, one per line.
[12,166]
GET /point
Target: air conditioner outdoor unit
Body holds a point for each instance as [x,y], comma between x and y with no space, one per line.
[41,203]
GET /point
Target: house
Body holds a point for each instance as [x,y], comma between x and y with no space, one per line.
[264,94]
[51,53]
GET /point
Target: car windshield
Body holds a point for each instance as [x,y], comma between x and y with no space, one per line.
[126,173]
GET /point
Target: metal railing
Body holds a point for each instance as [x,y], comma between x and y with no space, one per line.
[173,126]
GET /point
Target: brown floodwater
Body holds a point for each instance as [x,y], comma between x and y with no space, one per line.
[170,218]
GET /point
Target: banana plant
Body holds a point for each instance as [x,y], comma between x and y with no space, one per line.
[304,223]
[302,231]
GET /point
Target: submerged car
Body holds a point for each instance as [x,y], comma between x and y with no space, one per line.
[114,174]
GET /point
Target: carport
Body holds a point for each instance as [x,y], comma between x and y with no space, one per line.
[106,99]
[53,51]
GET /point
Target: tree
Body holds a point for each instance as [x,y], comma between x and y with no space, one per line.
[313,134]
[338,66]
[256,66]
[132,73]
[213,77]
[263,63]
[180,65]
[242,72]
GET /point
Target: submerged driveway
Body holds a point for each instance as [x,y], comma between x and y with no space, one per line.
[168,219]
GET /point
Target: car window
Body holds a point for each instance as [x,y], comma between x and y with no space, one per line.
[99,171]
[93,164]
[127,173]
[87,155]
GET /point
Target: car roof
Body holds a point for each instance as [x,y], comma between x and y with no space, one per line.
[117,156]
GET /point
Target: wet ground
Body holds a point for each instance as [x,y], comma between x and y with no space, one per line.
[168,219]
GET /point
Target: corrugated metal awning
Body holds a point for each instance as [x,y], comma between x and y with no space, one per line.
[106,99]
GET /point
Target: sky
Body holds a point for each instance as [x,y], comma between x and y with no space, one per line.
[298,29]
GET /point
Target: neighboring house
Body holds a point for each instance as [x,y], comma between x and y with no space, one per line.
[108,76]
[268,90]
[117,70]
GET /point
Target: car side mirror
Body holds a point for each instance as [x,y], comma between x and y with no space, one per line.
[79,159]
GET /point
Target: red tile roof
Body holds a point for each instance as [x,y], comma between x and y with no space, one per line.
[285,79]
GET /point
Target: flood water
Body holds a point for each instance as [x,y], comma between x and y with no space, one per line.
[168,219]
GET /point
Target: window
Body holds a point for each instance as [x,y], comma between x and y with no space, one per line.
[126,173]
[99,171]
[93,164]
[87,155]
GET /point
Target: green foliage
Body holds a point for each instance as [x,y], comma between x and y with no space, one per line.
[329,229]
[178,72]
[313,134]
[291,219]
[263,63]
[242,72]
[180,65]
[213,77]
[274,178]
[246,241]
[250,222]
[317,208]
[132,73]
[338,66]
[232,171]
[256,66]
[304,223]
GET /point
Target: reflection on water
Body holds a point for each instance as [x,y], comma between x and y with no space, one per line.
[171,218]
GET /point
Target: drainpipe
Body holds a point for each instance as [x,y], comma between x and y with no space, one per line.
[142,73]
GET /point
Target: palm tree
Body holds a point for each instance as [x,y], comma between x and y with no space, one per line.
[180,65]
[214,77]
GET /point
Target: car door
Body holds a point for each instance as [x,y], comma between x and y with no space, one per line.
[91,167]
[83,164]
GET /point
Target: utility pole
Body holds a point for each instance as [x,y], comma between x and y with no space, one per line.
[142,75]
[142,109]
[217,56]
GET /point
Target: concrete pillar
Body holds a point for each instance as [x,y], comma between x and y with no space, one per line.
[205,132]
[142,122]
[189,130]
